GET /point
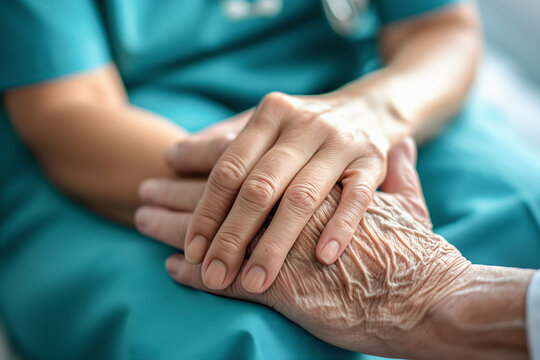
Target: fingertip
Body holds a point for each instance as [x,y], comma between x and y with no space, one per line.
[173,265]
[329,252]
[253,280]
[215,275]
[142,218]
[196,249]
[148,189]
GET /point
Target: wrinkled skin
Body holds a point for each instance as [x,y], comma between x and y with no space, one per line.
[380,290]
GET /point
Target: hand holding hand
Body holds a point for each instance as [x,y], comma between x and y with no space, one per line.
[293,148]
[377,295]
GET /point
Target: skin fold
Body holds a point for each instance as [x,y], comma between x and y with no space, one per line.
[369,296]
[341,301]
[398,290]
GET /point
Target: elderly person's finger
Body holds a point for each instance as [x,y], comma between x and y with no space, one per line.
[402,179]
[180,194]
[164,225]
[169,210]
[197,155]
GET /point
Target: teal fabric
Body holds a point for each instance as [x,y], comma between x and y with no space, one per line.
[482,187]
[396,10]
[73,285]
[45,39]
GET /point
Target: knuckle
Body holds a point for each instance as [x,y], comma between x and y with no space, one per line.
[375,152]
[342,137]
[229,173]
[273,250]
[273,98]
[313,120]
[347,224]
[258,192]
[321,123]
[275,103]
[304,198]
[205,219]
[285,154]
[362,194]
[229,243]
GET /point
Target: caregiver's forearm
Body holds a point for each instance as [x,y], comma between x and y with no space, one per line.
[483,318]
[430,64]
[90,142]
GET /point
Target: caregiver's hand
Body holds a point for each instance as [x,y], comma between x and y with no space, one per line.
[379,293]
[297,147]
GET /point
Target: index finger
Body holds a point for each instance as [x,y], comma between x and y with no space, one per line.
[224,183]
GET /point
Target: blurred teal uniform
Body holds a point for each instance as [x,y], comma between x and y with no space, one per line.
[73,285]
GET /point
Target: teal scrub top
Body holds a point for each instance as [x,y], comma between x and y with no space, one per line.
[178,54]
[75,285]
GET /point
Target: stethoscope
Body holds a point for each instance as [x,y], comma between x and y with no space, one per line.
[348,18]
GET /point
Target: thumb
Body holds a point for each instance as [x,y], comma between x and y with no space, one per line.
[197,155]
[402,179]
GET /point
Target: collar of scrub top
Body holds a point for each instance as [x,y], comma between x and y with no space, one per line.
[349,18]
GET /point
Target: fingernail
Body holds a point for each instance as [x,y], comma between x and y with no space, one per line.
[215,274]
[196,249]
[172,265]
[254,279]
[329,252]
[148,189]
[143,216]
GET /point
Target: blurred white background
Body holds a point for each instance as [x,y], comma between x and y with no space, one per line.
[514,28]
[510,74]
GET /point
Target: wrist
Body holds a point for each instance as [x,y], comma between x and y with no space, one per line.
[482,317]
[371,95]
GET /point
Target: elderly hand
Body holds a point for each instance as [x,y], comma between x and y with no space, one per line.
[294,148]
[399,290]
[380,291]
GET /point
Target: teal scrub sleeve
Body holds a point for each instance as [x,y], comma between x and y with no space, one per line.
[41,40]
[395,10]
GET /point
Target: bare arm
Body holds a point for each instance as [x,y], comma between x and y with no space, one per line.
[90,141]
[430,64]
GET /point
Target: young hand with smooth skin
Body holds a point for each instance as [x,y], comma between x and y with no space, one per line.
[295,148]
